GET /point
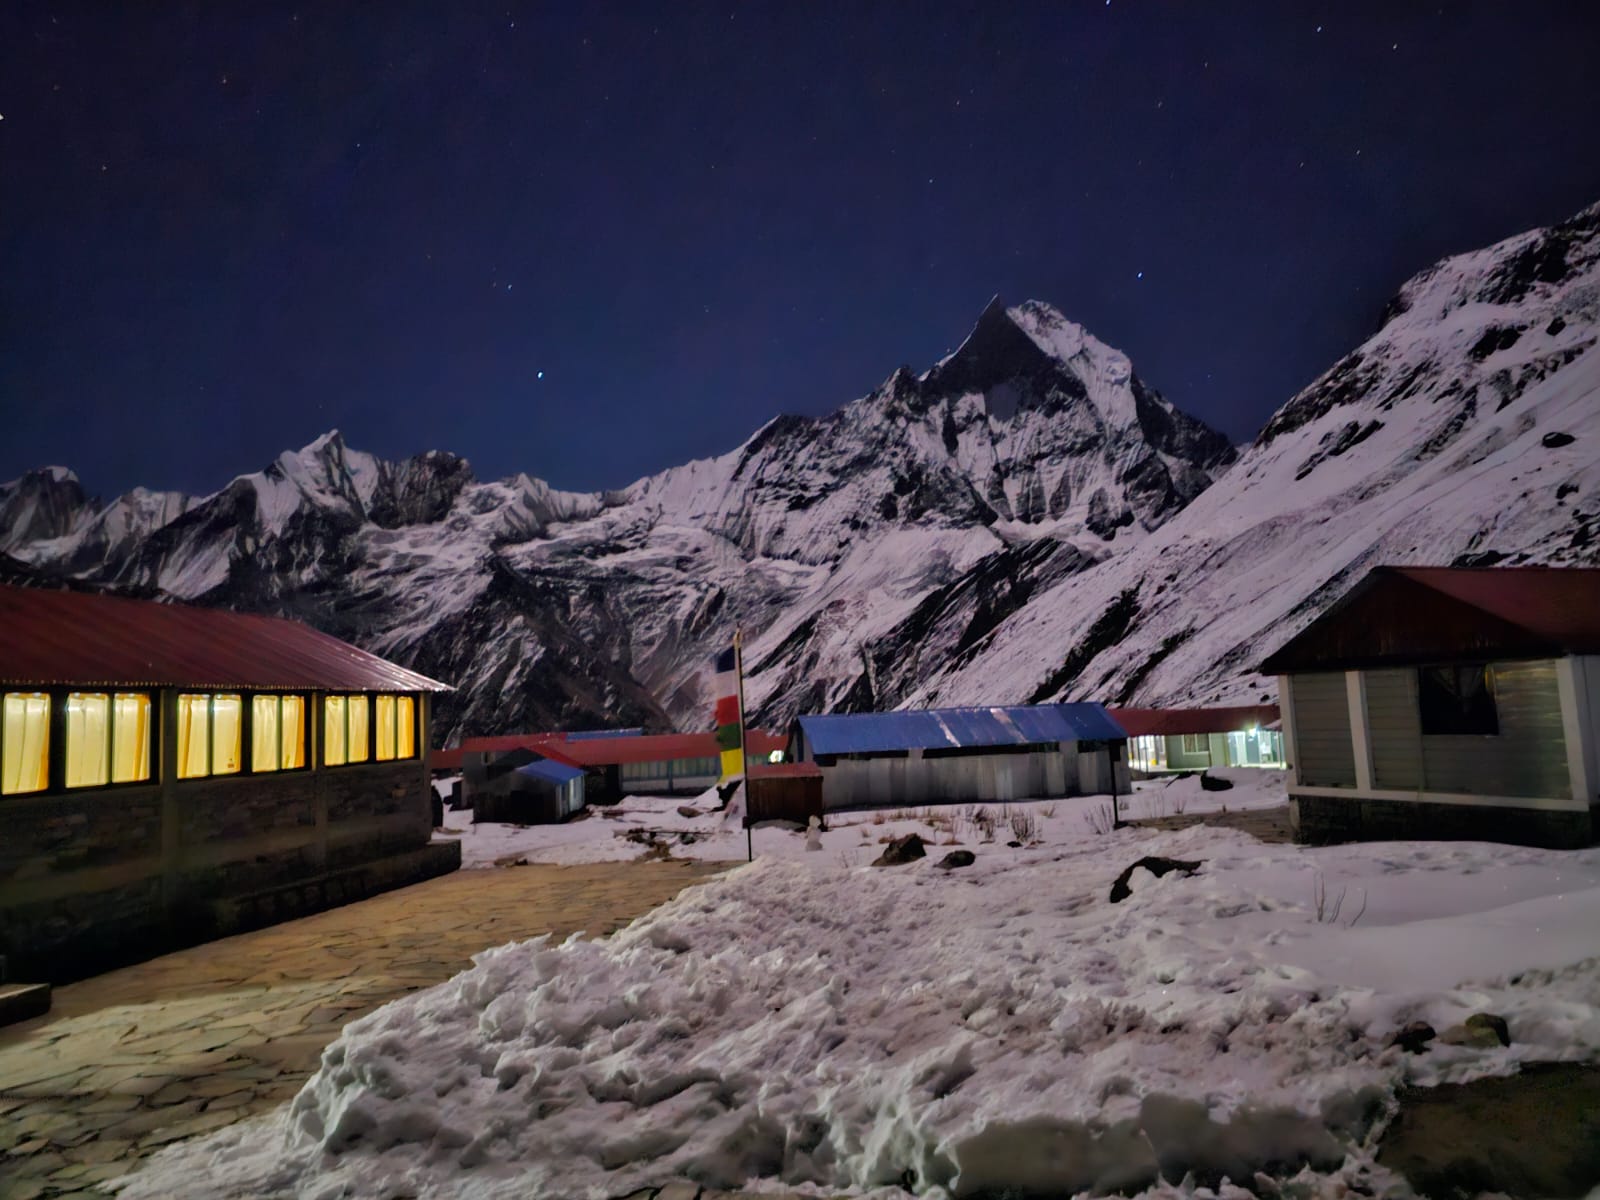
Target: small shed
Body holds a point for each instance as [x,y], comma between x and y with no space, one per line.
[542,791]
[956,755]
[1193,739]
[784,792]
[1448,702]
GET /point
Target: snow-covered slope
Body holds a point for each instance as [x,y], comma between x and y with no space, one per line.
[1032,442]
[1024,520]
[1465,431]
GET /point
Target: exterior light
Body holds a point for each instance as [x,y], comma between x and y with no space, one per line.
[775,757]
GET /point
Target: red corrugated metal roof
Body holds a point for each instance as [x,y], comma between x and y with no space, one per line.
[1169,722]
[81,639]
[606,752]
[445,760]
[1403,615]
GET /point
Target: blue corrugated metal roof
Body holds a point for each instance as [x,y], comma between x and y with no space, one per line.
[552,772]
[933,728]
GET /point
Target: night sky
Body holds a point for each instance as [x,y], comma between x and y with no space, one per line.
[592,241]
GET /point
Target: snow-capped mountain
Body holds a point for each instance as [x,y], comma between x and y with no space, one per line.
[1024,520]
[1030,452]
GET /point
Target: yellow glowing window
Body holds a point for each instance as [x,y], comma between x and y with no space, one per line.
[360,719]
[194,736]
[88,739]
[210,735]
[384,727]
[130,737]
[24,743]
[334,752]
[406,742]
[293,727]
[277,733]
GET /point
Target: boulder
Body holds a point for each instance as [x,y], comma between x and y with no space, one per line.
[685,811]
[1480,1038]
[956,858]
[1413,1038]
[1157,866]
[1554,441]
[1492,1022]
[1209,783]
[900,851]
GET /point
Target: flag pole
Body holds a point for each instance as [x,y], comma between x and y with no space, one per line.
[744,747]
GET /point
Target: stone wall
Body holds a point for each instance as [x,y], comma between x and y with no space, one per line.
[1323,820]
[93,878]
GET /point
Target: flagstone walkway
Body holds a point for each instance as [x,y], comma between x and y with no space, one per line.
[129,1061]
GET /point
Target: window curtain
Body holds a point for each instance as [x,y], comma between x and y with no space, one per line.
[385,730]
[360,725]
[406,741]
[25,738]
[293,731]
[333,730]
[227,734]
[130,737]
[264,733]
[194,736]
[88,737]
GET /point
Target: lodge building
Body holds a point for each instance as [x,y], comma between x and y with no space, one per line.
[170,773]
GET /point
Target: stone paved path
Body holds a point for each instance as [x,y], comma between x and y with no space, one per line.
[1264,824]
[128,1061]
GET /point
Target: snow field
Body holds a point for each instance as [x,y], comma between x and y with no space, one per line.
[857,1030]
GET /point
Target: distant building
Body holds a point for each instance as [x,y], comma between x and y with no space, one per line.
[524,787]
[1192,739]
[170,773]
[615,765]
[954,755]
[1445,702]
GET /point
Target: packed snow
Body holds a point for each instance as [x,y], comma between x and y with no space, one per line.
[814,1023]
[634,827]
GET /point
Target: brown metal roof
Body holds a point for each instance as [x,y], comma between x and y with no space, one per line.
[84,640]
[1411,615]
[1169,722]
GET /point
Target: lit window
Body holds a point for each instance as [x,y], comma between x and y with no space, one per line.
[385,727]
[108,738]
[406,730]
[24,743]
[333,731]
[277,733]
[346,729]
[210,735]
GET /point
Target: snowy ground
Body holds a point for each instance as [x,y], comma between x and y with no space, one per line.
[850,1029]
[604,834]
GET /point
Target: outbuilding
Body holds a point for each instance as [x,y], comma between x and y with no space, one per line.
[171,773]
[1194,739]
[1447,702]
[954,755]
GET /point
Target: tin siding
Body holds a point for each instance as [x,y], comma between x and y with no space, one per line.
[1528,758]
[1394,730]
[1322,730]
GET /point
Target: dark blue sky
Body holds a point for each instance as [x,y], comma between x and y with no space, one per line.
[223,231]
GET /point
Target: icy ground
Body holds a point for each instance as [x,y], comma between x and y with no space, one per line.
[817,1023]
[623,831]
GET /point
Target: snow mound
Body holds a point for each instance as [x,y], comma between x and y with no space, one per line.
[1003,1026]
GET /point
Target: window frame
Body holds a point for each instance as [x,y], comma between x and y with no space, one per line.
[1429,688]
[307,760]
[211,736]
[371,700]
[54,734]
[152,742]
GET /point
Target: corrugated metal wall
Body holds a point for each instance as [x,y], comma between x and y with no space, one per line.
[1528,758]
[918,780]
[1395,729]
[1322,730]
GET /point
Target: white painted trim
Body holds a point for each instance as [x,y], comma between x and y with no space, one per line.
[1286,719]
[1577,726]
[1355,690]
[1542,803]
